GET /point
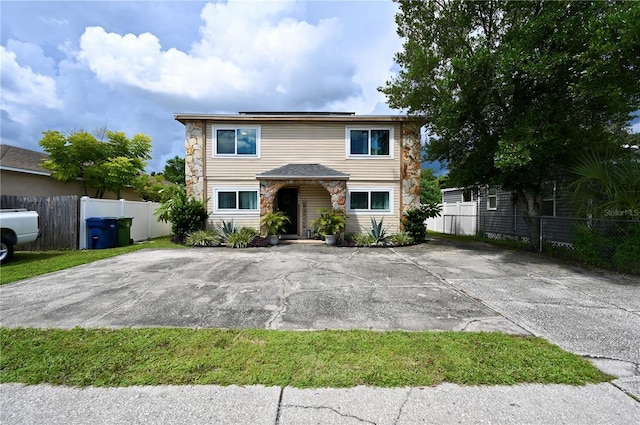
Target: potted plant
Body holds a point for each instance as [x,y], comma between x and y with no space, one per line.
[330,224]
[275,224]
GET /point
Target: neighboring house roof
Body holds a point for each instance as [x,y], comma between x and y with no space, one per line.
[303,171]
[299,116]
[22,160]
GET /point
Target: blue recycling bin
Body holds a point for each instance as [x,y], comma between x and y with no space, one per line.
[102,232]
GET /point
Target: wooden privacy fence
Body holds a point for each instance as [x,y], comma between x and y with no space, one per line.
[58,220]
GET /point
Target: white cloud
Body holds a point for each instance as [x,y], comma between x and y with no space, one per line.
[23,90]
[247,51]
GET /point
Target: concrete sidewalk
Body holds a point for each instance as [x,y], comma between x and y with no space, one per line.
[208,404]
[439,285]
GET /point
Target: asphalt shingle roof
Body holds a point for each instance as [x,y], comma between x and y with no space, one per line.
[22,159]
[303,171]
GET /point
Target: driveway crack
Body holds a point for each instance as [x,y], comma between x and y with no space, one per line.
[330,409]
[283,304]
[404,402]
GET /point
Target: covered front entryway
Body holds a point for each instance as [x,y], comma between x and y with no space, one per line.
[287,202]
[300,191]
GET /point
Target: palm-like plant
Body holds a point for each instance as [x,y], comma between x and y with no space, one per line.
[227,228]
[275,222]
[377,232]
[607,184]
[330,222]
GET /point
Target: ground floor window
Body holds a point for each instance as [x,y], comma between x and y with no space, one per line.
[549,198]
[492,198]
[370,200]
[229,199]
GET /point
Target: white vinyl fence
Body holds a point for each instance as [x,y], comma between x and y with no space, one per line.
[458,218]
[143,226]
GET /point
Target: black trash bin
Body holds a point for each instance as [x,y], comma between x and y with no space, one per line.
[123,237]
[102,232]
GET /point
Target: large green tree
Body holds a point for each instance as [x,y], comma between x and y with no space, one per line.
[516,90]
[104,165]
[430,187]
[174,170]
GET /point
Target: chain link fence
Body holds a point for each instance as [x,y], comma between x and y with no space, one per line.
[613,244]
[608,243]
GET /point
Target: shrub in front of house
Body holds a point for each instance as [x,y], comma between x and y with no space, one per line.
[627,256]
[185,213]
[363,240]
[203,238]
[401,239]
[241,238]
[367,240]
[414,220]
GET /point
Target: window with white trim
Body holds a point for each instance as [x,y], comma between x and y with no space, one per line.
[236,141]
[492,198]
[549,198]
[235,200]
[365,142]
[370,200]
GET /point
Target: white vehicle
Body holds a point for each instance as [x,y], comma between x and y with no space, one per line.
[18,227]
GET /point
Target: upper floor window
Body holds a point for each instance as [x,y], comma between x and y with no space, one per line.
[370,142]
[492,198]
[236,141]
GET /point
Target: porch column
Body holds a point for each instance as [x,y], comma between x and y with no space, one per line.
[338,191]
[411,164]
[194,159]
[268,191]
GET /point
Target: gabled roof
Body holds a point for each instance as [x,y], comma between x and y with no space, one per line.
[22,160]
[302,172]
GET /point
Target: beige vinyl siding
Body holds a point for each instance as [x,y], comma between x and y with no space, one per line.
[299,143]
[360,221]
[240,219]
[314,198]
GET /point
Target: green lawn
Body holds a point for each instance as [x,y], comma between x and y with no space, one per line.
[25,264]
[157,356]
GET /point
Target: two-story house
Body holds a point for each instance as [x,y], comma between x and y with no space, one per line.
[250,163]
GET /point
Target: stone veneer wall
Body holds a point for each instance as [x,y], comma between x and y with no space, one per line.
[194,159]
[411,164]
[269,189]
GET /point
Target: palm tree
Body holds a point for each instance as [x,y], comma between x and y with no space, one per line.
[608,186]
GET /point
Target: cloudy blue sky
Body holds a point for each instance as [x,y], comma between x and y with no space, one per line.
[130,65]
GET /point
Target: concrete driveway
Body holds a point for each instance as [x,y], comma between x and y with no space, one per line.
[296,286]
[439,285]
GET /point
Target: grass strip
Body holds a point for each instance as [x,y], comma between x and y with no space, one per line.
[156,356]
[26,264]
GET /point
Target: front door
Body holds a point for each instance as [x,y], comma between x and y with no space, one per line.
[288,204]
